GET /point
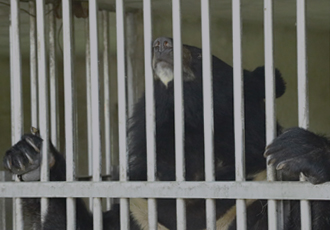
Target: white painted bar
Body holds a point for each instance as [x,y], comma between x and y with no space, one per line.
[208,111]
[269,93]
[15,73]
[238,93]
[269,80]
[97,213]
[178,110]
[3,220]
[150,110]
[203,190]
[68,88]
[208,93]
[239,125]
[43,97]
[95,99]
[275,220]
[130,49]
[106,92]
[54,126]
[123,157]
[33,66]
[68,65]
[88,102]
[43,87]
[16,96]
[303,105]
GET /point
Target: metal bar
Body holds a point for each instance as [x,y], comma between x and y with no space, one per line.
[269,81]
[43,97]
[238,93]
[208,111]
[3,220]
[130,49]
[106,78]
[16,95]
[239,110]
[208,94]
[33,67]
[275,211]
[89,110]
[123,157]
[15,73]
[150,109]
[303,106]
[69,108]
[191,190]
[178,110]
[95,99]
[53,77]
[270,109]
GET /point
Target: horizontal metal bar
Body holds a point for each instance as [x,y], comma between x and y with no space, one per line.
[224,190]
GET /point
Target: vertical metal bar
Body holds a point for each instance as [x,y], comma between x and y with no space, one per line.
[303,105]
[69,108]
[95,100]
[269,81]
[239,110]
[123,158]
[130,36]
[16,96]
[208,111]
[150,109]
[2,205]
[106,78]
[275,212]
[33,66]
[178,110]
[53,77]
[89,110]
[43,97]
[15,73]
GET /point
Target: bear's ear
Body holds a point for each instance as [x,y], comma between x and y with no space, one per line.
[256,81]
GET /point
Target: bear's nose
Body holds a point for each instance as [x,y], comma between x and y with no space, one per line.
[162,43]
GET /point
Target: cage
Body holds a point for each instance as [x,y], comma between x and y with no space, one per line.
[75,70]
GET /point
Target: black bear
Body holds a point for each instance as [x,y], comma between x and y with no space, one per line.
[23,158]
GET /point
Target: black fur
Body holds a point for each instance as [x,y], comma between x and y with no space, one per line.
[295,149]
[194,145]
[300,151]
